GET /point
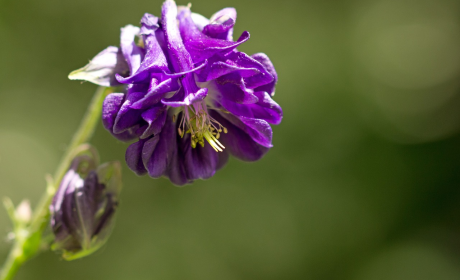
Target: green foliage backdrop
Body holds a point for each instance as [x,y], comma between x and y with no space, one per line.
[363,181]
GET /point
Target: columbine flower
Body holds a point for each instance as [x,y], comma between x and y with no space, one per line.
[82,209]
[190,98]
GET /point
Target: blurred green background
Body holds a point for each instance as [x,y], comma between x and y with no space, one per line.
[363,181]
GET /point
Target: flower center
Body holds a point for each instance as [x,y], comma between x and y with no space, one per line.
[196,121]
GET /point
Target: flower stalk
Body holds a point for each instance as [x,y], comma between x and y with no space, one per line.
[28,235]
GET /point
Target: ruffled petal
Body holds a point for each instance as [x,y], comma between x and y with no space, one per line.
[191,71]
[234,91]
[133,53]
[265,108]
[180,59]
[199,20]
[149,24]
[179,56]
[101,70]
[154,60]
[128,117]
[155,118]
[263,77]
[219,66]
[155,94]
[158,151]
[200,46]
[110,108]
[268,65]
[221,24]
[259,130]
[182,99]
[133,157]
[238,142]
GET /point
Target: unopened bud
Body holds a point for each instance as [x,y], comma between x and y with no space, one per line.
[83,207]
[24,212]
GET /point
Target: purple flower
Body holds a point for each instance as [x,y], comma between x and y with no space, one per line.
[83,207]
[189,97]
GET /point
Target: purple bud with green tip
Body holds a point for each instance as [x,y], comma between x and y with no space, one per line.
[83,208]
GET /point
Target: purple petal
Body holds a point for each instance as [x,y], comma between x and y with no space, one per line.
[179,56]
[158,151]
[149,24]
[200,21]
[155,118]
[180,59]
[235,92]
[133,157]
[219,66]
[102,68]
[223,15]
[176,171]
[156,94]
[244,61]
[181,99]
[221,24]
[86,201]
[265,61]
[237,141]
[199,162]
[129,134]
[133,53]
[110,107]
[71,213]
[192,70]
[128,117]
[154,60]
[265,108]
[147,152]
[259,130]
[200,46]
[56,204]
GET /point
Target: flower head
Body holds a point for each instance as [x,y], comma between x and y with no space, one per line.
[83,207]
[189,97]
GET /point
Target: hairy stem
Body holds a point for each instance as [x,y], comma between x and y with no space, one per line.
[25,235]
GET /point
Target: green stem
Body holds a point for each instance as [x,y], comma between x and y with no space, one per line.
[24,236]
[13,263]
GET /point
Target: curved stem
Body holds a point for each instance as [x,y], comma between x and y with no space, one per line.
[24,236]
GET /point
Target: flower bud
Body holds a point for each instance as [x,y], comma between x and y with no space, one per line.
[83,207]
[24,212]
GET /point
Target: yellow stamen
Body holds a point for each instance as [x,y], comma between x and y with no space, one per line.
[201,126]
